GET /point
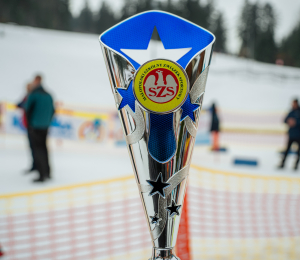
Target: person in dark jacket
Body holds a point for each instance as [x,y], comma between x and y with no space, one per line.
[21,105]
[39,112]
[293,121]
[215,128]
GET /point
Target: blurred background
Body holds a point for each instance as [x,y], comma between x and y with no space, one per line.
[241,204]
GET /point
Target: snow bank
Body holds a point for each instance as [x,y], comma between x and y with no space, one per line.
[75,72]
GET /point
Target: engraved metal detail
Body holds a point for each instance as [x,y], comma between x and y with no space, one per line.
[196,92]
[139,121]
[145,188]
[118,99]
[190,126]
[199,86]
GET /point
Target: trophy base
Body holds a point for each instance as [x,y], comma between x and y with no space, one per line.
[163,254]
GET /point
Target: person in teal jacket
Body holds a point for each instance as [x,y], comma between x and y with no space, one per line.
[39,112]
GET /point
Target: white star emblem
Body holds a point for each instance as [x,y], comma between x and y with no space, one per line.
[155,50]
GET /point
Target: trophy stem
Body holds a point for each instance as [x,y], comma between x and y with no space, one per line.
[163,254]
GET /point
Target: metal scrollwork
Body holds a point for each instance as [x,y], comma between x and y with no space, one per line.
[139,121]
[199,86]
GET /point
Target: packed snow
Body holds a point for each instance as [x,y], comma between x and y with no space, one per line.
[74,72]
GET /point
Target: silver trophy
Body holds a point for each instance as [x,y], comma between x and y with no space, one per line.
[159,100]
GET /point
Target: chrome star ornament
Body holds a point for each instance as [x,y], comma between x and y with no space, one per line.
[173,209]
[155,219]
[158,186]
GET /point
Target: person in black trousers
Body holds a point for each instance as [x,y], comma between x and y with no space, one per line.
[39,112]
[215,127]
[21,105]
[293,121]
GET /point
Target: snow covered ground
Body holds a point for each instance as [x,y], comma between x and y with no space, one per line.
[78,162]
[74,71]
[72,162]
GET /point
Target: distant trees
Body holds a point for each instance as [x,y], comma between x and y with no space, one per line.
[132,7]
[248,29]
[196,12]
[105,18]
[266,49]
[192,10]
[290,47]
[218,28]
[54,14]
[256,30]
[85,21]
[256,27]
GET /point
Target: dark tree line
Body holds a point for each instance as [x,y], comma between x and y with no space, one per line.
[193,10]
[256,30]
[256,26]
[52,14]
[55,14]
[290,47]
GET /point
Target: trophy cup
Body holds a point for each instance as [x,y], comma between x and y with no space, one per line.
[159,95]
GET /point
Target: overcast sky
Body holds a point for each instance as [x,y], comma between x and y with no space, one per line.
[287,12]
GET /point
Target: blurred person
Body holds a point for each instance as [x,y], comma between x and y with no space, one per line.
[21,105]
[293,121]
[215,128]
[39,112]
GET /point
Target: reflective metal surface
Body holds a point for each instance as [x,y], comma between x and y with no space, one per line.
[163,225]
[163,254]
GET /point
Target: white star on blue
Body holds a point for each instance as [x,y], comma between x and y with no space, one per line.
[175,33]
[188,109]
[128,97]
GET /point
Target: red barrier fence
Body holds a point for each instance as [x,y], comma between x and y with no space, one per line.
[225,216]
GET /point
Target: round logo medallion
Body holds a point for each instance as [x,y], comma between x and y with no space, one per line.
[160,86]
